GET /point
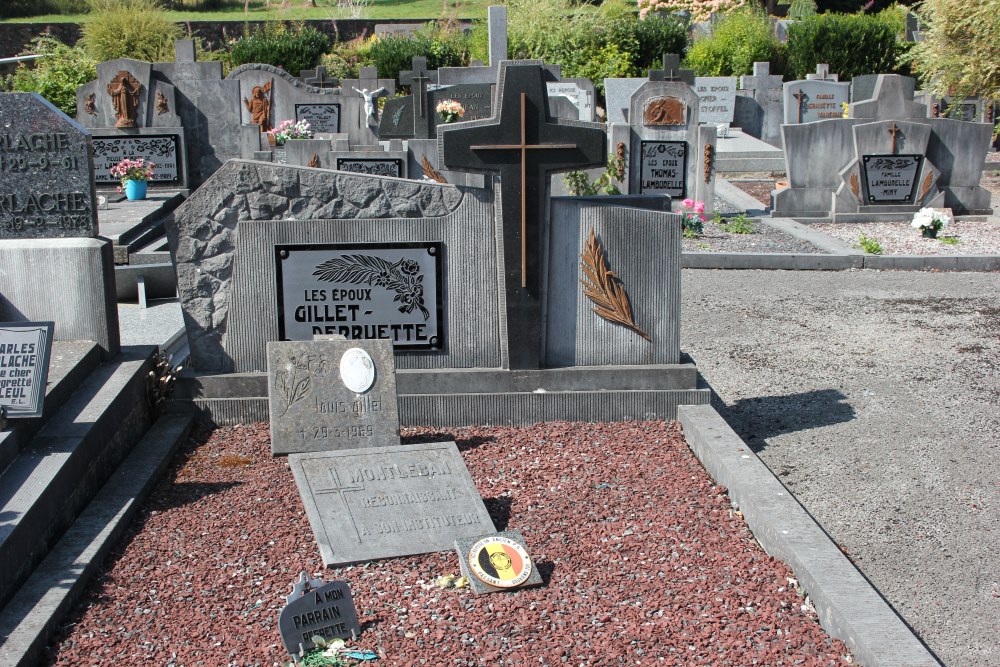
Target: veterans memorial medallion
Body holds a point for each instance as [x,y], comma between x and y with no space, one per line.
[357,370]
[499,561]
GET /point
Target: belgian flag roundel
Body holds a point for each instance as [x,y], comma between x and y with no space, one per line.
[499,561]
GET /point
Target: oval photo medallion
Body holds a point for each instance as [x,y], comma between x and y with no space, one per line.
[357,370]
[499,561]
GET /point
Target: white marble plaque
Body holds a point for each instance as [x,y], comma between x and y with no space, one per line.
[357,370]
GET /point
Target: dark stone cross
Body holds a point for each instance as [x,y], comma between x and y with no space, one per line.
[524,145]
[318,79]
[672,70]
[417,79]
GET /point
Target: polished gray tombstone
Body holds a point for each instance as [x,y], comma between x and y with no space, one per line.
[370,504]
[326,395]
[617,93]
[863,86]
[716,98]
[46,183]
[762,117]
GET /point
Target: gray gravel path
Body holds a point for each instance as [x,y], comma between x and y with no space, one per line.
[875,397]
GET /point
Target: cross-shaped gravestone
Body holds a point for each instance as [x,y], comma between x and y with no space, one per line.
[822,73]
[672,70]
[417,79]
[524,146]
[319,79]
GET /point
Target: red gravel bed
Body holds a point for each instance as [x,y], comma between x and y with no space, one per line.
[643,558]
[759,190]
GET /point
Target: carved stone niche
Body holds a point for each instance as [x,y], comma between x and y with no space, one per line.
[664,111]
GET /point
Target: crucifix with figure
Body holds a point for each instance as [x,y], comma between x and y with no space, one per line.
[524,146]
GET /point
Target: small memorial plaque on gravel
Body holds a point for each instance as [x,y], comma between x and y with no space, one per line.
[327,395]
[25,348]
[497,562]
[367,504]
[316,608]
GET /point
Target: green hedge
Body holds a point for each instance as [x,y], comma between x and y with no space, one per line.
[738,40]
[852,44]
[293,48]
[56,76]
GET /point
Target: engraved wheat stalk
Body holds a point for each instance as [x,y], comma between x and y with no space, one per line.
[604,287]
[430,171]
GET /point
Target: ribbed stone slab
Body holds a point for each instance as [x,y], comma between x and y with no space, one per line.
[46,171]
[367,504]
[313,400]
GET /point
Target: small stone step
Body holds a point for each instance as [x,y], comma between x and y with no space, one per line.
[73,454]
[37,609]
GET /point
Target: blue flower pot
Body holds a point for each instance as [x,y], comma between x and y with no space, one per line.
[135,190]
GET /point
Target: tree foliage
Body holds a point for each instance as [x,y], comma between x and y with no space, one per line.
[56,76]
[960,54]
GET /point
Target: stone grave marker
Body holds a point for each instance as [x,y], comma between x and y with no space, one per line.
[863,86]
[617,93]
[361,291]
[671,71]
[716,98]
[498,562]
[322,118]
[166,151]
[316,608]
[25,348]
[496,19]
[330,395]
[373,166]
[46,182]
[368,504]
[524,147]
[812,100]
[579,93]
[764,118]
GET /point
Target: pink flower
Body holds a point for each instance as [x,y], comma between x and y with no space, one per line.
[688,203]
[699,207]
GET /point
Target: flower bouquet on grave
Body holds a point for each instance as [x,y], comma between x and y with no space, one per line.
[449,110]
[288,130]
[132,170]
[692,222]
[930,221]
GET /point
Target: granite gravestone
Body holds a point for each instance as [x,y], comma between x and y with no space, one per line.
[317,609]
[579,93]
[370,504]
[25,348]
[498,562]
[716,98]
[46,183]
[618,92]
[813,100]
[330,395]
[762,118]
[524,147]
[361,291]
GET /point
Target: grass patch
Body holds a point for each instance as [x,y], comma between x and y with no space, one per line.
[869,244]
[741,224]
[325,11]
[949,240]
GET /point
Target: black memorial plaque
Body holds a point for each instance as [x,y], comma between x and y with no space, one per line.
[891,179]
[362,291]
[160,149]
[25,348]
[371,166]
[663,168]
[321,117]
[396,119]
[327,611]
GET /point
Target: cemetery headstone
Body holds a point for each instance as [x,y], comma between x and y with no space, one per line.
[617,93]
[322,118]
[764,117]
[25,348]
[46,187]
[813,100]
[497,23]
[387,502]
[579,93]
[863,86]
[330,395]
[362,292]
[497,562]
[716,98]
[671,70]
[392,167]
[317,609]
[524,147]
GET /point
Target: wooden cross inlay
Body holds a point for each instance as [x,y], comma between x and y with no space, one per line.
[894,131]
[523,147]
[800,96]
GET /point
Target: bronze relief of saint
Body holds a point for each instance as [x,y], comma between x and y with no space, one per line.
[259,106]
[664,111]
[124,91]
[161,103]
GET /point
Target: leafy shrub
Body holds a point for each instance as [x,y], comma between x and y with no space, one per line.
[291,47]
[441,43]
[738,40]
[136,29]
[657,35]
[851,44]
[56,76]
[741,224]
[16,8]
[800,9]
[606,184]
